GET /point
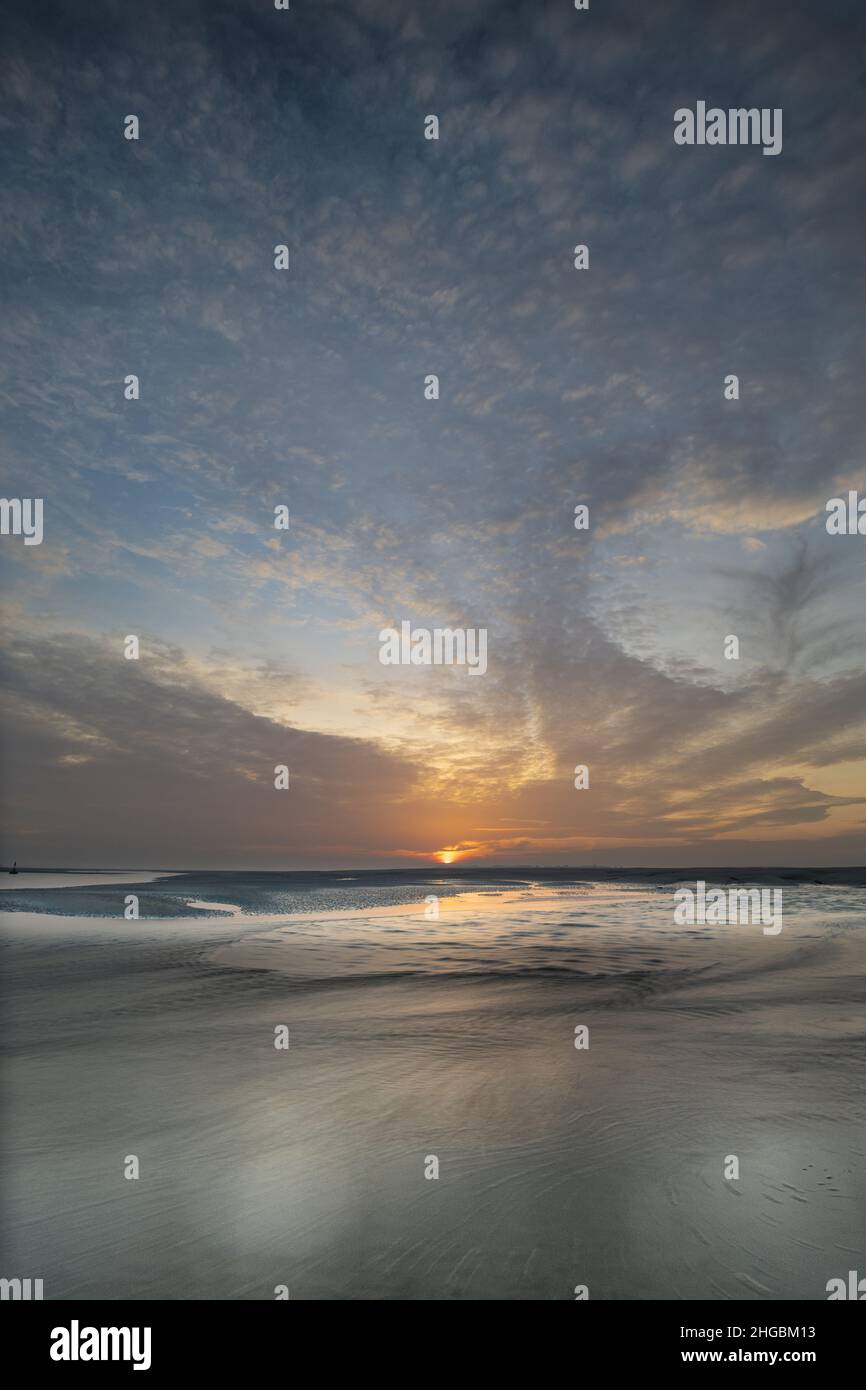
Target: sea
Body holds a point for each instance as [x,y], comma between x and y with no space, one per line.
[446,1084]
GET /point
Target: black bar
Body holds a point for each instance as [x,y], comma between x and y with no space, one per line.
[259,1338]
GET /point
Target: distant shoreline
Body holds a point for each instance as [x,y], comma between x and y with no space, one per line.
[843,875]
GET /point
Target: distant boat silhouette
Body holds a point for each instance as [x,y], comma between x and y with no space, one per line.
[14,868]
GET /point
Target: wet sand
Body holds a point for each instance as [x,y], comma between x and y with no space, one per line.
[23,880]
[453,1038]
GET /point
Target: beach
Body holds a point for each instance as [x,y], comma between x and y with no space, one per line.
[411,1038]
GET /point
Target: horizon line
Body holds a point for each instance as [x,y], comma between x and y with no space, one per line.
[439,868]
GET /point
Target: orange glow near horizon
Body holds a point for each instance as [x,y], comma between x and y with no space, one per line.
[451,853]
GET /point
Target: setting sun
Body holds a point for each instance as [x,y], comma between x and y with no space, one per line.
[466,849]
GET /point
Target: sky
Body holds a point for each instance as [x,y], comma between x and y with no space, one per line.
[558,387]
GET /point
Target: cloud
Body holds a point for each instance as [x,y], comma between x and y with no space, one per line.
[558,387]
[163,770]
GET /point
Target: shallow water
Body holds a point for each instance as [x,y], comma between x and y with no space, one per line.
[413,1037]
